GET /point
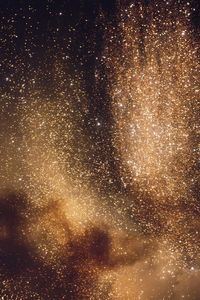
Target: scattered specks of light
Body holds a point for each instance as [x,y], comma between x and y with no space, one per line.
[98,152]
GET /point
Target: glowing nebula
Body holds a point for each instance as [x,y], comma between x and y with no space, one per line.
[92,206]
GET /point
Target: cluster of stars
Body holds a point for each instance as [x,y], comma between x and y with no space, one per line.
[99,152]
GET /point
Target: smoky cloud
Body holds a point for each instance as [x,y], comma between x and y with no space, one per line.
[76,271]
[99,263]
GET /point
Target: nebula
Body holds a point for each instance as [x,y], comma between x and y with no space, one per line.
[99,153]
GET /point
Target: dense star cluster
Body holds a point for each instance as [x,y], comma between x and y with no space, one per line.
[99,150]
[155,91]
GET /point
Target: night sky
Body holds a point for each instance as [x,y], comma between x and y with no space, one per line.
[99,150]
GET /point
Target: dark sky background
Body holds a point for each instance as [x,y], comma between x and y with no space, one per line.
[32,32]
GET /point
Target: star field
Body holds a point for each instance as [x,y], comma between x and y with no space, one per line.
[99,150]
